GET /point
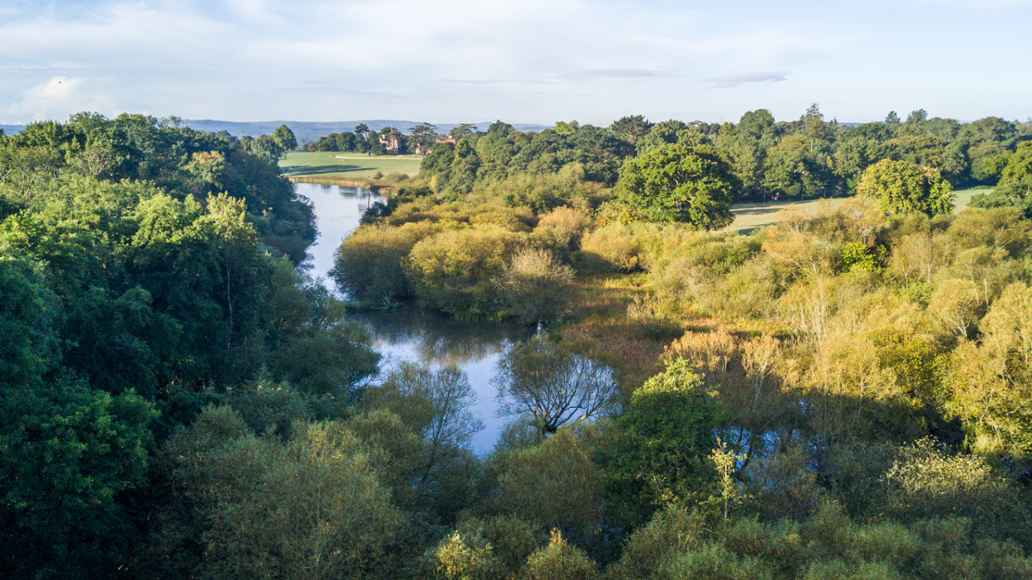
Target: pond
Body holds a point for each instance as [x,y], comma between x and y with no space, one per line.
[408,334]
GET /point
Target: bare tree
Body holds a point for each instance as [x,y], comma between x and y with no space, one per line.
[552,385]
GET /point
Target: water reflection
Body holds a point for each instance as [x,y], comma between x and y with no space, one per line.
[412,335]
[338,211]
[409,334]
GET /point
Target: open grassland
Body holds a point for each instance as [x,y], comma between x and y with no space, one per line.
[347,168]
[749,216]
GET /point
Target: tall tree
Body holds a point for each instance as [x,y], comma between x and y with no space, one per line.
[631,128]
[424,135]
[904,187]
[679,183]
[285,138]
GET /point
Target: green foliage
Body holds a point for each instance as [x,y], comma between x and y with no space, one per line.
[285,138]
[313,506]
[1015,185]
[552,485]
[69,455]
[662,441]
[827,545]
[369,263]
[671,530]
[679,183]
[28,345]
[494,547]
[482,159]
[559,560]
[903,187]
[991,379]
[146,268]
[535,286]
[925,482]
[457,271]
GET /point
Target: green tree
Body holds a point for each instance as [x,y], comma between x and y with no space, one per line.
[679,183]
[424,135]
[662,442]
[310,507]
[631,128]
[903,187]
[554,484]
[1015,185]
[285,138]
[69,455]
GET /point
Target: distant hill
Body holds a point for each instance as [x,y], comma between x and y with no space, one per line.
[11,129]
[307,131]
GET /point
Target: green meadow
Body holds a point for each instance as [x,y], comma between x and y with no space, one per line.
[337,167]
[749,216]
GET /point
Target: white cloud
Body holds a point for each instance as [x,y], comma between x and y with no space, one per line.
[448,60]
[57,98]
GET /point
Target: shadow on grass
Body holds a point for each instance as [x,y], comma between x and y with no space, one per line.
[755,210]
[320,169]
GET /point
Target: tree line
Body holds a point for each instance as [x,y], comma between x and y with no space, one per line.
[388,140]
[767,159]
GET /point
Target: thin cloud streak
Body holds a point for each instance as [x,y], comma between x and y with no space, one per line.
[732,81]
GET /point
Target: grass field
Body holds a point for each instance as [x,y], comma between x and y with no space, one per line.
[346,168]
[749,216]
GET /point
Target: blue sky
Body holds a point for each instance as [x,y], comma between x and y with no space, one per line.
[521,61]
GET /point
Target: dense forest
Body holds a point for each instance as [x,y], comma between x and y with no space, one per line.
[845,394]
[769,160]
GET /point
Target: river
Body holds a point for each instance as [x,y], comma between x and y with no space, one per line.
[409,334]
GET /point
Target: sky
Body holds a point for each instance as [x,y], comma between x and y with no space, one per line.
[525,61]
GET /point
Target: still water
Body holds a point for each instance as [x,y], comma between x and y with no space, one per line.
[408,334]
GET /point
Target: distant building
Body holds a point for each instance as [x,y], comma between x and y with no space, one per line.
[391,142]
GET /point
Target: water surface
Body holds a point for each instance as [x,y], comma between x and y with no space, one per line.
[408,334]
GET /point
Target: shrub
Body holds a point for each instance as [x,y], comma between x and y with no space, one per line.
[552,485]
[559,560]
[369,263]
[495,547]
[670,531]
[715,562]
[535,286]
[614,246]
[458,558]
[458,271]
[561,229]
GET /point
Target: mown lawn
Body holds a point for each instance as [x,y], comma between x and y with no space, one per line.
[750,216]
[330,166]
